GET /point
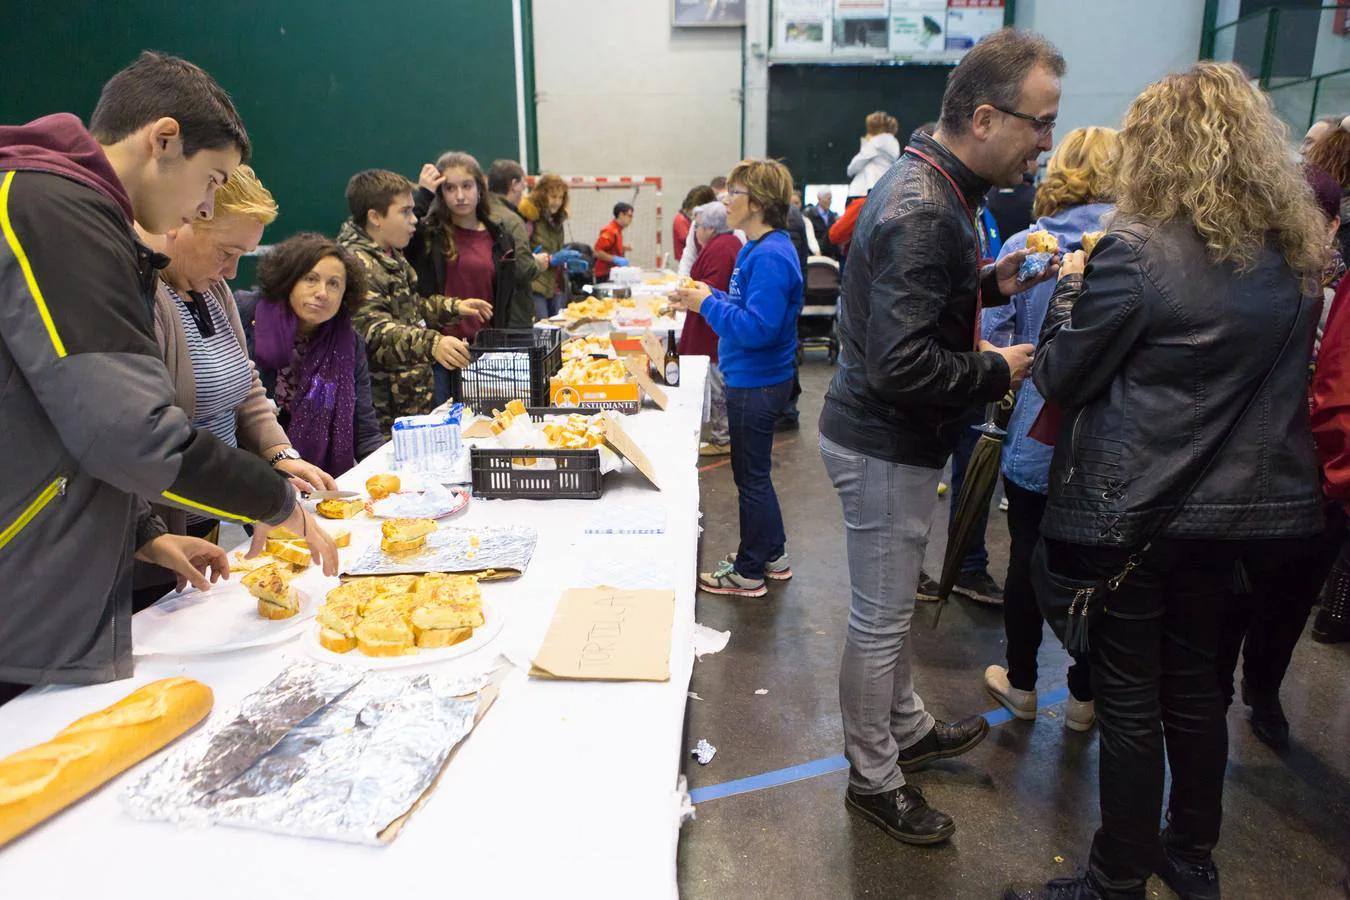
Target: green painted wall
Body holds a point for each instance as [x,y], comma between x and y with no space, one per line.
[325,88]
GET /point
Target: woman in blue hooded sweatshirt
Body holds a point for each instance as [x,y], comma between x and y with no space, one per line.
[1070,202]
[756,325]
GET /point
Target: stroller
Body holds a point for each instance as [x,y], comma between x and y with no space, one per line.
[817,326]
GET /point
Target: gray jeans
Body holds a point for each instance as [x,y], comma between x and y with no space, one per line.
[888,509]
[715,428]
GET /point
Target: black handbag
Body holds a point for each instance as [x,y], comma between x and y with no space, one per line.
[1070,604]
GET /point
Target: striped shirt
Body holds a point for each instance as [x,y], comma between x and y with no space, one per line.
[219,369]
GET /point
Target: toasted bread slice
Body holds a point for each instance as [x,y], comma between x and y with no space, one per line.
[342,538]
[395,584]
[1042,242]
[271,580]
[384,634]
[282,534]
[428,617]
[406,529]
[408,546]
[340,509]
[336,641]
[239,565]
[294,552]
[439,638]
[381,486]
[1090,239]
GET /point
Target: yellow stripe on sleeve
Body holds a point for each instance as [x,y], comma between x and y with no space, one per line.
[17,249]
[168,495]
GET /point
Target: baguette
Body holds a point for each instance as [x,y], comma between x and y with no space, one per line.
[39,782]
[294,552]
[388,545]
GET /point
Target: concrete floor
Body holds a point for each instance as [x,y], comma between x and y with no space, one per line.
[1025,801]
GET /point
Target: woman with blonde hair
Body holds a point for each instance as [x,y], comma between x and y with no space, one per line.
[1180,359]
[1073,200]
[202,341]
[880,150]
[755,320]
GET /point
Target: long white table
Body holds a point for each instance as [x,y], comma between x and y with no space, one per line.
[564,788]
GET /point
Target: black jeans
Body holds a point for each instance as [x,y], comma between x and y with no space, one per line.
[1022,620]
[1154,651]
[751,414]
[1265,624]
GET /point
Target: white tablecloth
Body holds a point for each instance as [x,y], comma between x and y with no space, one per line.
[564,789]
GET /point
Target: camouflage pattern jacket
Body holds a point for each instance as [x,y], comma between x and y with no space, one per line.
[400,328]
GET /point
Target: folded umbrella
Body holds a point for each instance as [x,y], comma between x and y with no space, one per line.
[977,488]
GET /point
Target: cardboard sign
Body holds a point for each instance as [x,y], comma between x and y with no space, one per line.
[607,634]
[638,369]
[480,429]
[618,440]
[625,397]
[655,350]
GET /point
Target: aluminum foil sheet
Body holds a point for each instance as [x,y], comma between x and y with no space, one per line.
[500,547]
[345,771]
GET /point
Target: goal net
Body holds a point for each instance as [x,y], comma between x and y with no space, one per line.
[592,200]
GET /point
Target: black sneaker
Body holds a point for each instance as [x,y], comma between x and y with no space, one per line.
[1191,880]
[980,587]
[1329,628]
[1332,625]
[787,423]
[944,741]
[1080,888]
[903,814]
[927,590]
[1268,722]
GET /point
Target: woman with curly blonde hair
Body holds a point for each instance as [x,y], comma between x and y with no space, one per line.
[1180,358]
[1073,200]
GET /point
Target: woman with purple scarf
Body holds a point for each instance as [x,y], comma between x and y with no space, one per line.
[309,357]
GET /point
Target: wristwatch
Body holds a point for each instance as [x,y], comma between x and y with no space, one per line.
[288,453]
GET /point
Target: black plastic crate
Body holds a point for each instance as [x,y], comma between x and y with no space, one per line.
[577,476]
[521,362]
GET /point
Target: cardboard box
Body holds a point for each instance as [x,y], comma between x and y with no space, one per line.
[625,397]
[607,634]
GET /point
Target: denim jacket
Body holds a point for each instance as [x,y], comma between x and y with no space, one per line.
[1026,461]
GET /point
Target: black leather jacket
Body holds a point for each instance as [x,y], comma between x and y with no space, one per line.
[908,371]
[1153,354]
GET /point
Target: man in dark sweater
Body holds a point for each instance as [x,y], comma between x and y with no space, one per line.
[909,367]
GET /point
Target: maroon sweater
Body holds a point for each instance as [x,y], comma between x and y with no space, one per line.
[714,266]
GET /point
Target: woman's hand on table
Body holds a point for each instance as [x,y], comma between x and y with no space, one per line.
[310,476]
[472,307]
[189,558]
[691,298]
[322,548]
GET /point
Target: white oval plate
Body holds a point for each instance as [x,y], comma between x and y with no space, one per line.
[192,623]
[483,635]
[397,506]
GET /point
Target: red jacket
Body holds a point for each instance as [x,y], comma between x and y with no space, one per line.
[610,241]
[681,232]
[714,266]
[1331,398]
[841,232]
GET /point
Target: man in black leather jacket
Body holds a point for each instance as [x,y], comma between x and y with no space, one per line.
[909,369]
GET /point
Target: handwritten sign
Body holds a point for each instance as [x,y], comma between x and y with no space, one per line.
[607,634]
[638,369]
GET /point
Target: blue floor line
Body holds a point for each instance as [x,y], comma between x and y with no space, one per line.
[829,765]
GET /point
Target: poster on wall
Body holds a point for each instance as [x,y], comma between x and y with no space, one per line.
[970,21]
[918,27]
[861,25]
[707,13]
[803,27]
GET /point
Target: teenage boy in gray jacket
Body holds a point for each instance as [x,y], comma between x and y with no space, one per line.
[90,425]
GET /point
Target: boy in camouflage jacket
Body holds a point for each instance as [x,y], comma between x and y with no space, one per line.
[401,328]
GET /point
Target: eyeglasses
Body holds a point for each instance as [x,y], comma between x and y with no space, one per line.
[1043,126]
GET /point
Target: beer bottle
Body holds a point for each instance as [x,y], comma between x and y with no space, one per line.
[672,366]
